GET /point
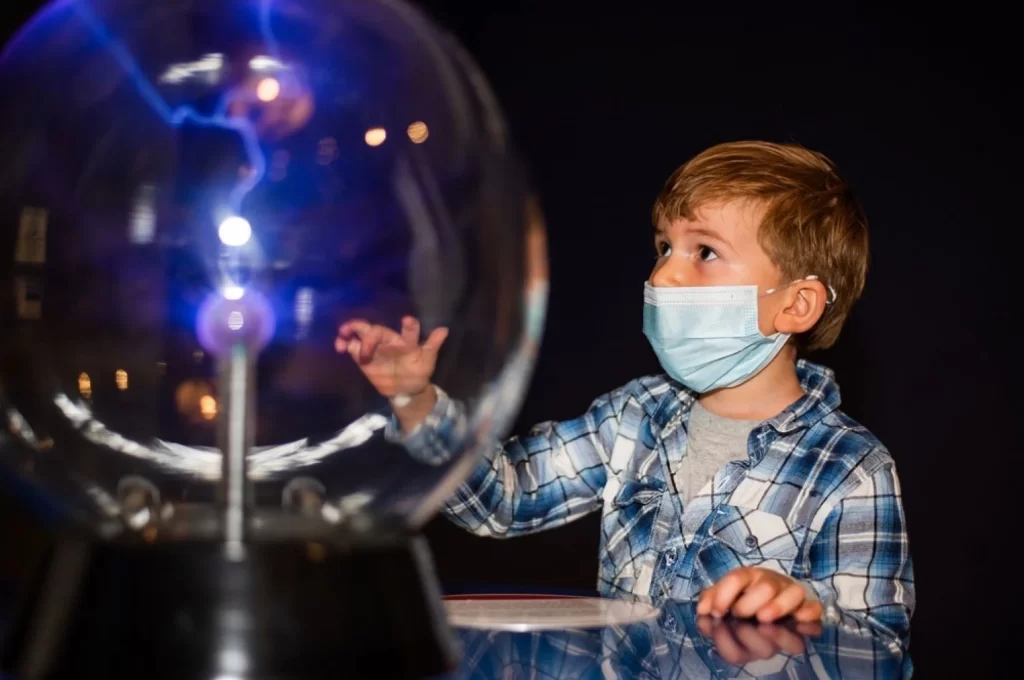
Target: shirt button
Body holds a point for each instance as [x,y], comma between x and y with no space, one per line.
[815,493]
[665,589]
[670,556]
[751,541]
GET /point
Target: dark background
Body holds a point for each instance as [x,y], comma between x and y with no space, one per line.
[919,111]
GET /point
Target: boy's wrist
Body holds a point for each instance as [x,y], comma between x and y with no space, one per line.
[412,409]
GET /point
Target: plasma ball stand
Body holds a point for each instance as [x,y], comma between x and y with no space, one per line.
[289,609]
[269,596]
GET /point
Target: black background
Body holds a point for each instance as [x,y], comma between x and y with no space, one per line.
[919,111]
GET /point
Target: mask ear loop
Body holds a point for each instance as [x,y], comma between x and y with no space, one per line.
[812,277]
[831,290]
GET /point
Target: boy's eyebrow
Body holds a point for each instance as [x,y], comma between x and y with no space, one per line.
[710,233]
[699,231]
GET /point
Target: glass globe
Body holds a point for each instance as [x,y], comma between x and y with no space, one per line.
[195,196]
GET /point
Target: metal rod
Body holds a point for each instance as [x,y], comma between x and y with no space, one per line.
[234,449]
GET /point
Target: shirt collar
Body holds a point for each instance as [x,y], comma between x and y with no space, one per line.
[821,397]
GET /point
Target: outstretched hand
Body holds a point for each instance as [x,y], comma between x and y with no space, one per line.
[395,363]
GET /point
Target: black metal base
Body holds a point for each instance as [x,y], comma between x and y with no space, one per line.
[294,610]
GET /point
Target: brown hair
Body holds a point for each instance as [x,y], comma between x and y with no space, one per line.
[812,224]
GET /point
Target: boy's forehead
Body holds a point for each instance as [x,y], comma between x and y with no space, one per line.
[730,219]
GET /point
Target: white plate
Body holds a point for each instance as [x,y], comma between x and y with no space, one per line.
[545,614]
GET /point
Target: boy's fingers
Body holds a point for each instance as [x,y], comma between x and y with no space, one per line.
[728,589]
[435,340]
[787,602]
[704,603]
[369,344]
[810,613]
[354,327]
[755,597]
[410,330]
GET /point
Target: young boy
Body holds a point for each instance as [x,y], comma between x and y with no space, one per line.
[735,477]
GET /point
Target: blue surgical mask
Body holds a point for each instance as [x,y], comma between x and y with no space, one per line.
[707,337]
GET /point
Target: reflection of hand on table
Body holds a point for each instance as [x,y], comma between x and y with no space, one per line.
[740,641]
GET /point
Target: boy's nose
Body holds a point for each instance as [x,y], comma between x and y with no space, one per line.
[668,275]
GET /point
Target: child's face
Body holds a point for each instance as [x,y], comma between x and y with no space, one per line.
[718,248]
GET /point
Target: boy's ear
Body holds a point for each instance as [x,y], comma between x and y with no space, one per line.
[803,305]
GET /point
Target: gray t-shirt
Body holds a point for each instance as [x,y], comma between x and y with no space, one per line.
[712,442]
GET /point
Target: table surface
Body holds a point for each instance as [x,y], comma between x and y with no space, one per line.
[680,645]
[675,644]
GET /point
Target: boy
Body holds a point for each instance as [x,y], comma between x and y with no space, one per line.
[734,478]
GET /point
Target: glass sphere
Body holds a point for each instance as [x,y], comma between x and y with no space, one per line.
[195,197]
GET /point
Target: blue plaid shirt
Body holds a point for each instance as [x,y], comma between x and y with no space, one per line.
[818,498]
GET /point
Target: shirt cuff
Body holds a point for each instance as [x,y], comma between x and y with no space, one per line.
[432,440]
[826,595]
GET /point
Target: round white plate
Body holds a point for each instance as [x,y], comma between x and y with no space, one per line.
[532,613]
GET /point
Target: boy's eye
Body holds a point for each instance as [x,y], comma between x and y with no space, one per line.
[663,249]
[706,254]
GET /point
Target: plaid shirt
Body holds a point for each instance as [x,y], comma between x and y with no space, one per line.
[818,499]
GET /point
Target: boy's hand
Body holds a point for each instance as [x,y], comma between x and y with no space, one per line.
[396,364]
[752,592]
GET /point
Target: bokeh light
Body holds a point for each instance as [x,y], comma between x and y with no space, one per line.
[268,89]
[85,385]
[418,132]
[208,407]
[375,136]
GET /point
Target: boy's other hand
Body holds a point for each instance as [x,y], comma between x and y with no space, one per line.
[395,363]
[752,592]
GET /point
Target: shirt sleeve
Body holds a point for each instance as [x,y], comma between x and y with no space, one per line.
[550,477]
[860,560]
